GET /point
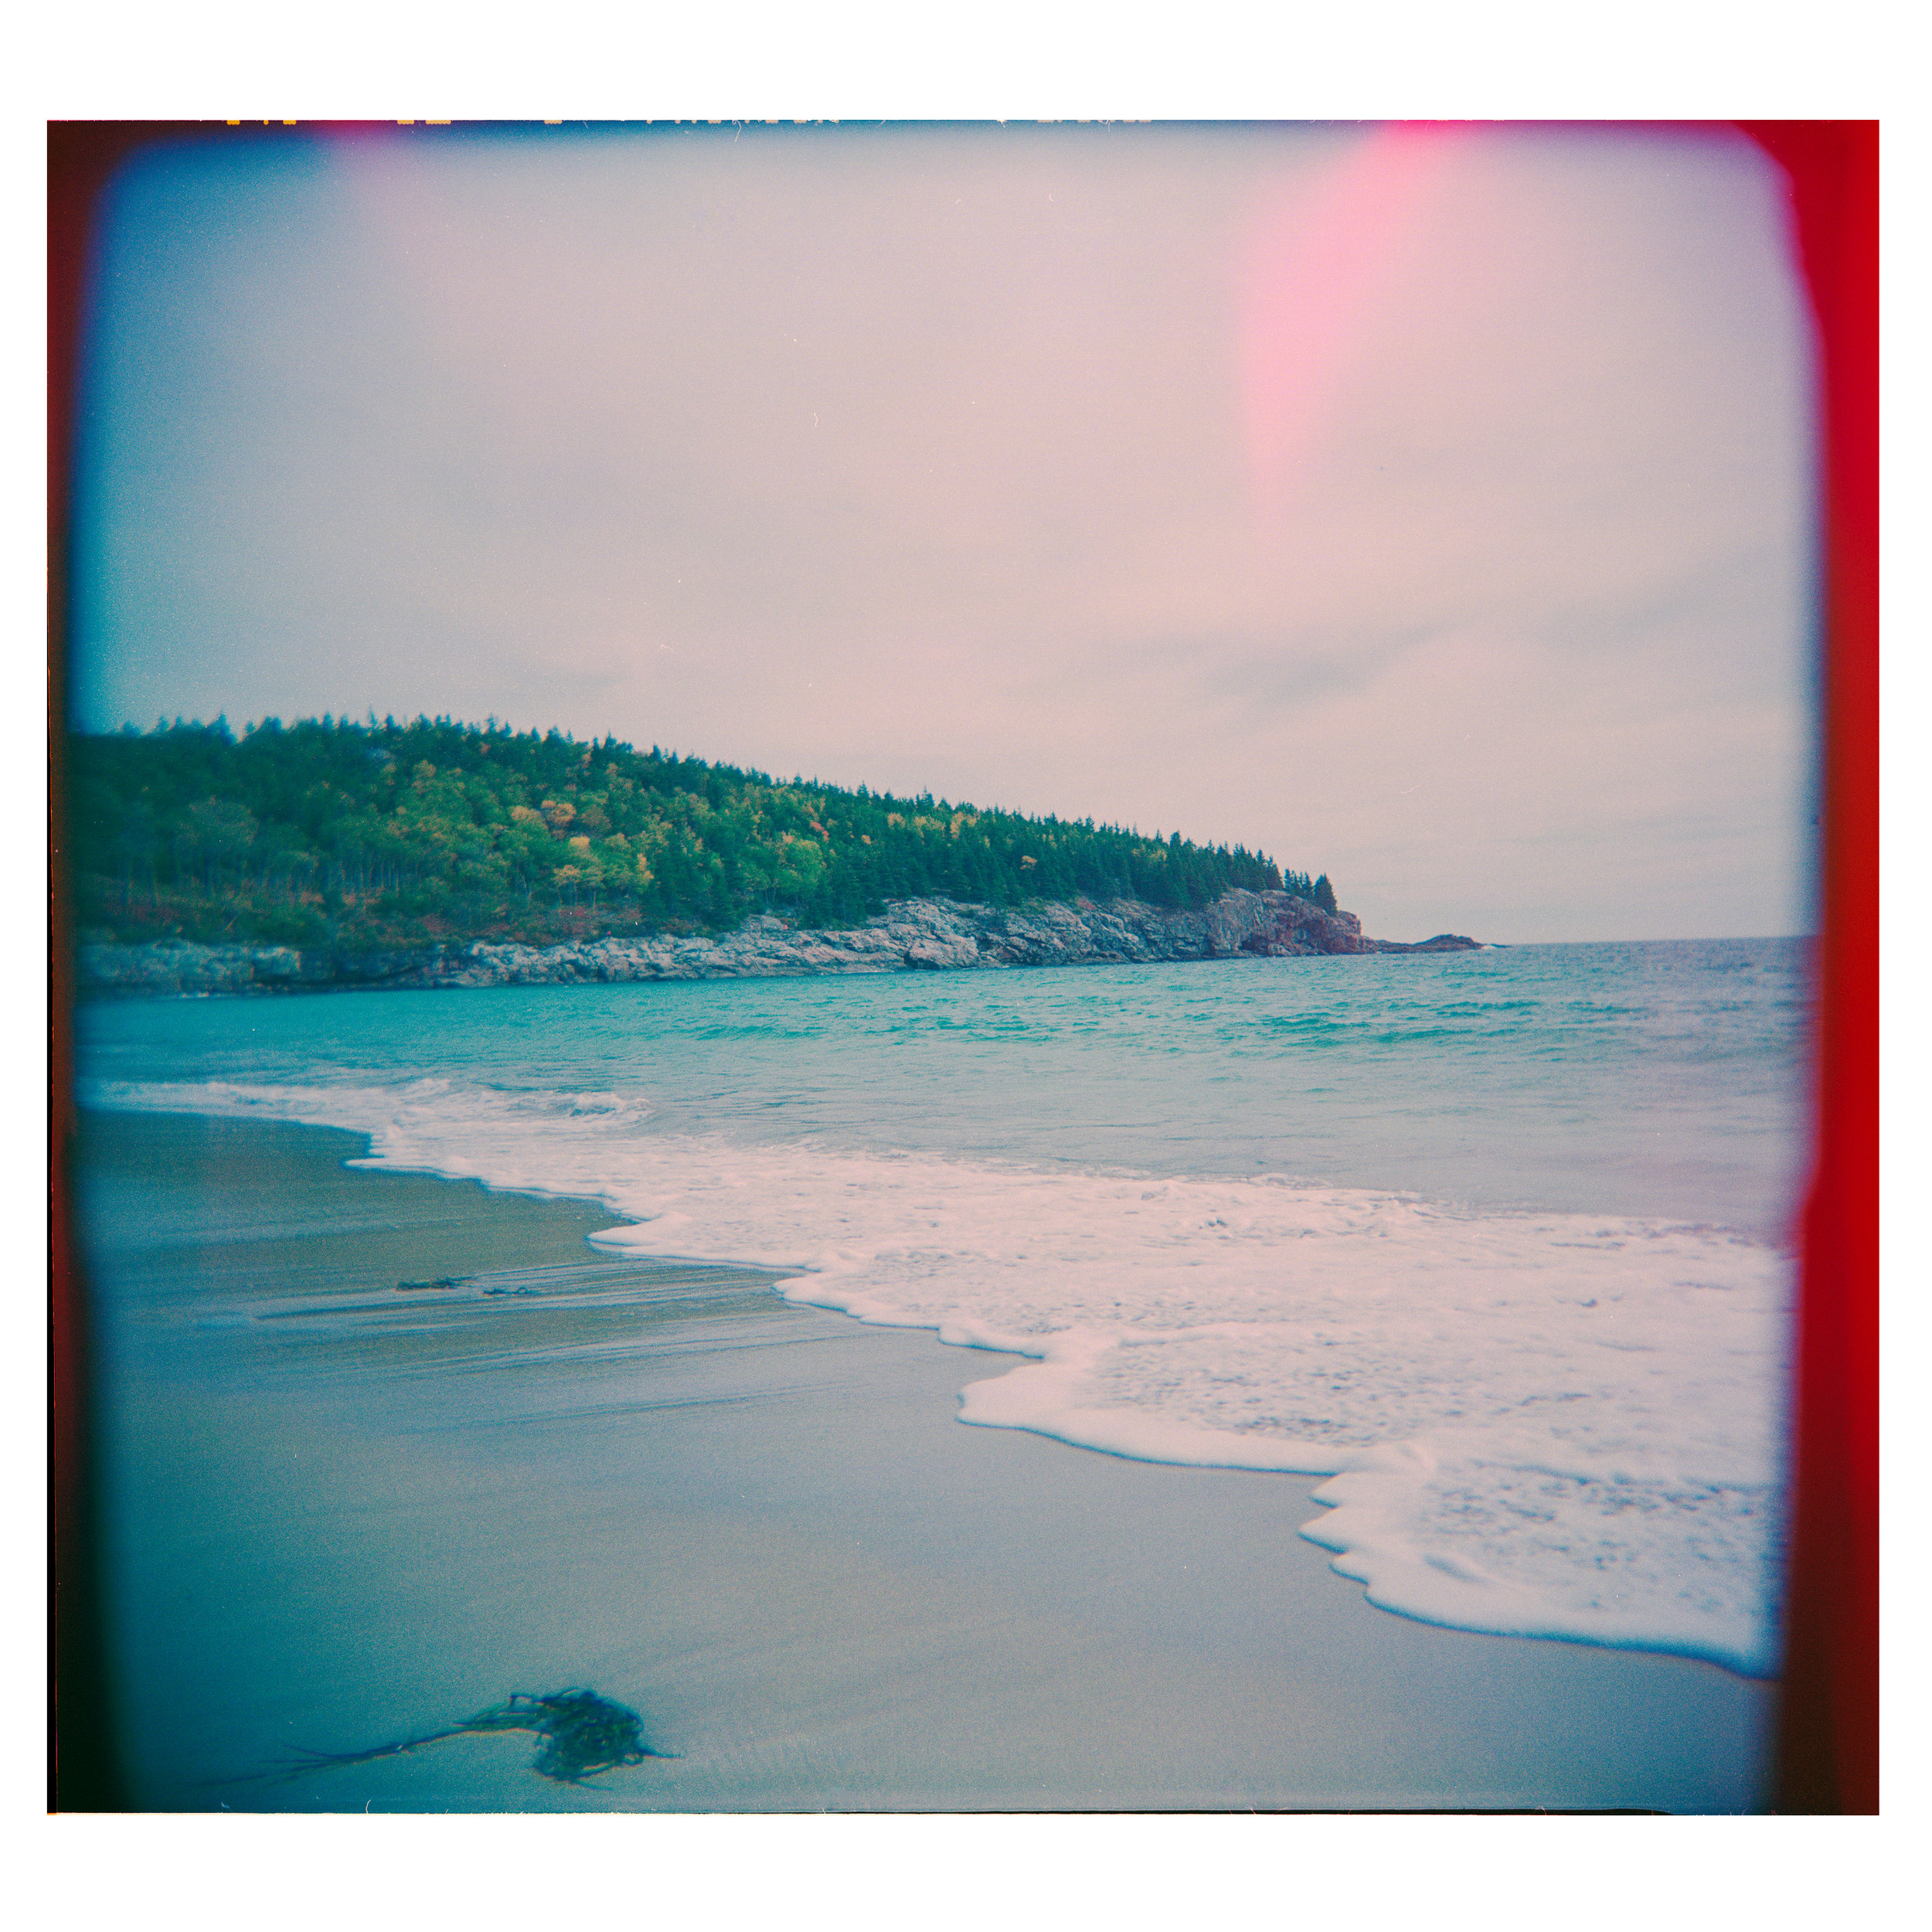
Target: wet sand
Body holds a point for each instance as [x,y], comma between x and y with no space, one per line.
[343,1513]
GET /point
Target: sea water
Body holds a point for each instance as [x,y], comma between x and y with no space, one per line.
[1499,1241]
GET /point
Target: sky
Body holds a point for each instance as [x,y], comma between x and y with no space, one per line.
[1427,506]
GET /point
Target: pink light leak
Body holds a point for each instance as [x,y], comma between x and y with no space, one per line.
[1315,266]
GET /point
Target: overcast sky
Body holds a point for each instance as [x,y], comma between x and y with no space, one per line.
[1430,508]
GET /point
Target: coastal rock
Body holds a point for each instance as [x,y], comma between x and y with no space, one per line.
[1294,927]
[930,935]
[180,967]
[934,954]
[1442,942]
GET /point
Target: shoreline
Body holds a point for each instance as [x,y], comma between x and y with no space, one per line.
[913,935]
[1057,1628]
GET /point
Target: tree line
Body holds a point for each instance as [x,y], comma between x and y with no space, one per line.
[331,831]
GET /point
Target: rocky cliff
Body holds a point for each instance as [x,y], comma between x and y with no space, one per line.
[911,935]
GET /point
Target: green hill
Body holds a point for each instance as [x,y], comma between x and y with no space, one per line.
[327,832]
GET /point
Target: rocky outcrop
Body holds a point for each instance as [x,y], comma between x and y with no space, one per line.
[1442,942]
[180,967]
[1300,927]
[1296,927]
[933,935]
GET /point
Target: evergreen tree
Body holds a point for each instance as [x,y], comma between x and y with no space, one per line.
[332,831]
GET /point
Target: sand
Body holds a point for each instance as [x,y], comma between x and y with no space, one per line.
[342,1514]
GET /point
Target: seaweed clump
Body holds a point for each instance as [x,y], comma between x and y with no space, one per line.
[582,1732]
[580,1735]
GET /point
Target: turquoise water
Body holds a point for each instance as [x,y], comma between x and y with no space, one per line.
[1661,1079]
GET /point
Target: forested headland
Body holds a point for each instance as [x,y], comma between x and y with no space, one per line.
[332,832]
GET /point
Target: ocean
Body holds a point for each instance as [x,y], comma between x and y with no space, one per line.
[1499,1243]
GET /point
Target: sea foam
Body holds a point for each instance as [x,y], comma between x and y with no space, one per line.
[1545,1424]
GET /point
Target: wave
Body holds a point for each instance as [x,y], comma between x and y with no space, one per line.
[1539,1424]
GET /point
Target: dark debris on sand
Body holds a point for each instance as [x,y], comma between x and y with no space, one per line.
[581,1734]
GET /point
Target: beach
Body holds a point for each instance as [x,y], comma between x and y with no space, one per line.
[342,1513]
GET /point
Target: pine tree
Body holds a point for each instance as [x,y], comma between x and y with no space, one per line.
[332,831]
